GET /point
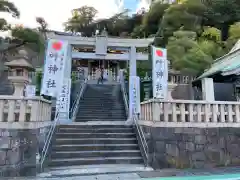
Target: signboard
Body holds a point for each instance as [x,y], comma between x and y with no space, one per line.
[159,72]
[54,67]
[30,91]
[134,95]
[63,100]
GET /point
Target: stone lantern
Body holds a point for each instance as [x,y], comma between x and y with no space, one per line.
[147,86]
[18,72]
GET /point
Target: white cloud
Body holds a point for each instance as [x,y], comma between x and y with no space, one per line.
[144,4]
[55,12]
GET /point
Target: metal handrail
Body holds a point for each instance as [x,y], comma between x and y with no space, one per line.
[135,118]
[125,98]
[142,137]
[48,140]
[77,100]
[56,119]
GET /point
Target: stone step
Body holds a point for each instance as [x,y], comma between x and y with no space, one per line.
[96,111]
[96,127]
[99,95]
[100,108]
[95,140]
[95,172]
[91,130]
[97,104]
[101,104]
[98,119]
[101,116]
[92,161]
[97,154]
[93,135]
[94,147]
[105,102]
[101,98]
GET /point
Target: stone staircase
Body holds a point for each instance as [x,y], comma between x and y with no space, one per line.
[101,103]
[99,136]
[95,144]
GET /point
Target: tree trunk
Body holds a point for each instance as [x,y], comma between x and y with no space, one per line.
[224,31]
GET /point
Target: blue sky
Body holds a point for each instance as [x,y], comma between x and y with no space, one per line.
[62,10]
[131,4]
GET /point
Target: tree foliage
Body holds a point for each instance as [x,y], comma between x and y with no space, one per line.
[43,26]
[81,18]
[8,7]
[32,38]
[195,32]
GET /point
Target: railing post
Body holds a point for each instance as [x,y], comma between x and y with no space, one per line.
[11,110]
[22,112]
[1,109]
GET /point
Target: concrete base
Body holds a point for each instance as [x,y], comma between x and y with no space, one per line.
[93,170]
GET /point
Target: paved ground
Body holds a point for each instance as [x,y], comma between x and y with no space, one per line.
[190,172]
[165,174]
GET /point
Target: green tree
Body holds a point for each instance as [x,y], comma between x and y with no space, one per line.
[222,14]
[81,19]
[8,7]
[234,35]
[153,18]
[186,16]
[188,54]
[43,26]
[211,33]
[31,37]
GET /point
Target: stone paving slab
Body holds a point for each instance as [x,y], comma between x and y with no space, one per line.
[212,177]
[93,170]
[165,174]
[189,172]
[125,176]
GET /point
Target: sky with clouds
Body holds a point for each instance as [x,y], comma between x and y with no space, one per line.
[55,12]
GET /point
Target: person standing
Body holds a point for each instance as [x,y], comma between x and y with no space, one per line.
[100,79]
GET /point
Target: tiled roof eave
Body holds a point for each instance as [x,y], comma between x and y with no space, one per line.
[225,64]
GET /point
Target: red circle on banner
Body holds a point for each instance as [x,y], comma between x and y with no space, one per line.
[159,53]
[57,46]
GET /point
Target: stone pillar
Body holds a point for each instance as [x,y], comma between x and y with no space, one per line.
[133,72]
[208,89]
[171,87]
[18,89]
[133,61]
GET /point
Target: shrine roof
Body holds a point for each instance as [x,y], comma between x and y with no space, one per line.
[225,64]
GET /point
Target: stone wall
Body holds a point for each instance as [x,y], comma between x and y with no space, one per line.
[19,149]
[192,147]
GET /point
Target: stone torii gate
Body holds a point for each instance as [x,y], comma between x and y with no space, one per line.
[101,44]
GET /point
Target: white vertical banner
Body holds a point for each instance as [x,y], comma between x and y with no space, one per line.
[63,99]
[54,67]
[134,96]
[159,73]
